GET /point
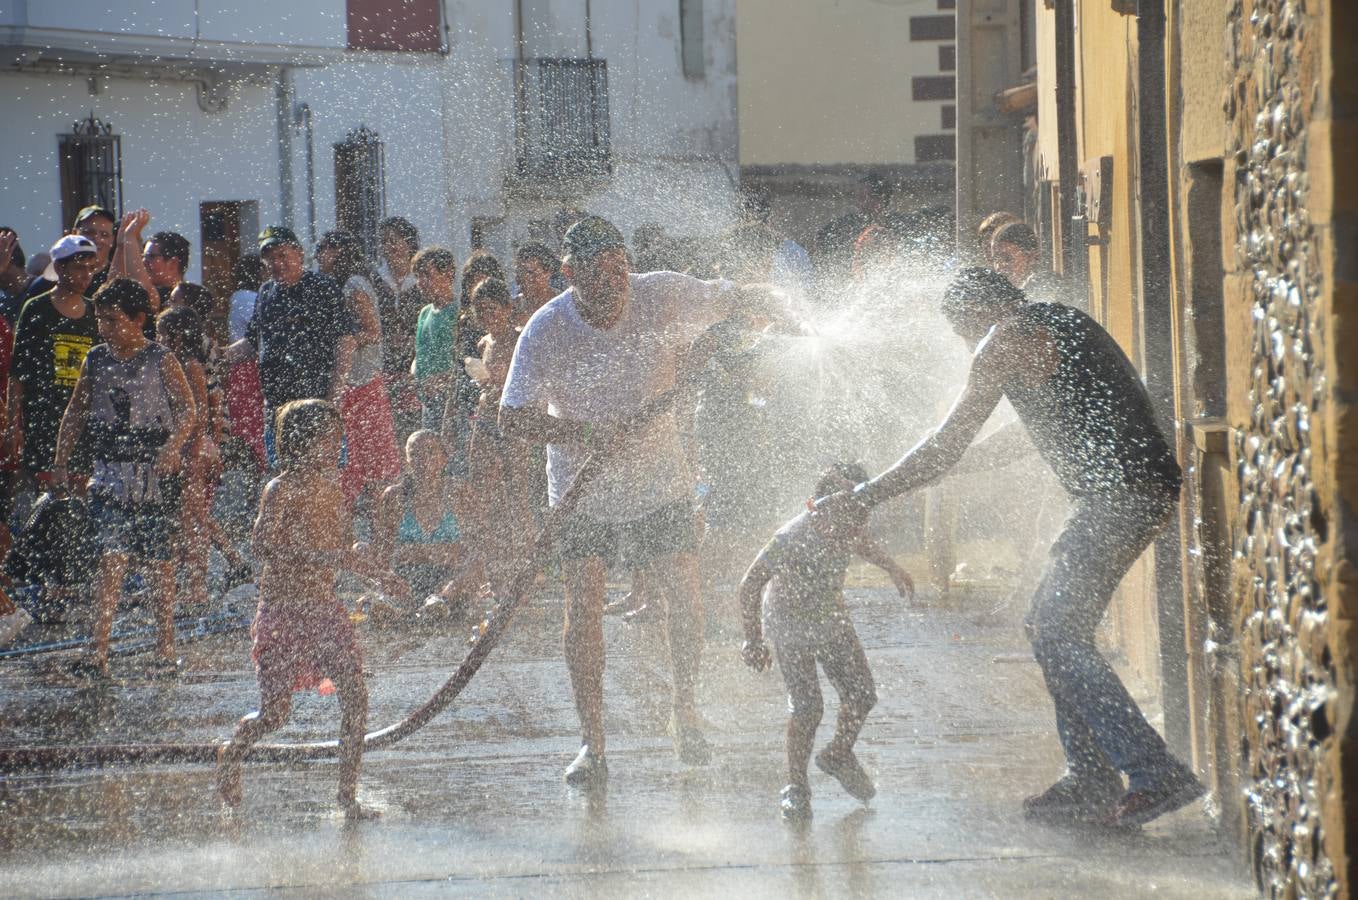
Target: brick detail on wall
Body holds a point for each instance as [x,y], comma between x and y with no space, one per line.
[933,87]
[935,148]
[947,58]
[949,116]
[1283,525]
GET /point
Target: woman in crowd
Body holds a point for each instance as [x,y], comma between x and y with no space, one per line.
[370,433]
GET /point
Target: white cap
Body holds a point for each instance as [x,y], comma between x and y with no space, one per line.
[69,245]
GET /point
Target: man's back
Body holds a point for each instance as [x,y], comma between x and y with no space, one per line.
[1091,417]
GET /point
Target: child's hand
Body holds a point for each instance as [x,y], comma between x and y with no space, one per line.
[904,583]
[755,654]
[168,461]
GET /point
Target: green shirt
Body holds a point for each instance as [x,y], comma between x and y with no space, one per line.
[435,340]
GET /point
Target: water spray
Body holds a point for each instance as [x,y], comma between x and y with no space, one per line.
[487,634]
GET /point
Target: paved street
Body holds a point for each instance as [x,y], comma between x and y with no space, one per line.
[474,803]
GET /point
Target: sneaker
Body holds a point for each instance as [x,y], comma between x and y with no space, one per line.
[1139,807]
[1073,800]
[845,768]
[795,803]
[689,744]
[588,769]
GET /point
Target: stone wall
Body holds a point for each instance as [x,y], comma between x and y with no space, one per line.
[1295,669]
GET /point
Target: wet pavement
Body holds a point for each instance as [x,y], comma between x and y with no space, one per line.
[474,803]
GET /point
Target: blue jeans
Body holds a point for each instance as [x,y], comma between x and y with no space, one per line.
[1101,728]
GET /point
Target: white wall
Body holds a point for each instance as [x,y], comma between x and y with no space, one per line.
[447,123]
[402,102]
[174,155]
[309,23]
[829,83]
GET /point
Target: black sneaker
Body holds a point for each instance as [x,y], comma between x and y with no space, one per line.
[588,770]
[795,803]
[845,768]
[1180,788]
[1072,800]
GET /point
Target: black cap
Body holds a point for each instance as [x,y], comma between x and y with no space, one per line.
[91,211]
[591,236]
[275,235]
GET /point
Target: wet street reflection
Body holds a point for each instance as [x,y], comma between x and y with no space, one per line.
[474,802]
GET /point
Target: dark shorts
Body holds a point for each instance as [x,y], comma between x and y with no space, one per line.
[140,530]
[668,530]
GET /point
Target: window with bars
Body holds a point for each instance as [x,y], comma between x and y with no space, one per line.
[91,162]
[360,186]
[563,118]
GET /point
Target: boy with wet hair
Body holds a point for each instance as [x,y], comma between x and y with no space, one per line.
[808,622]
[135,408]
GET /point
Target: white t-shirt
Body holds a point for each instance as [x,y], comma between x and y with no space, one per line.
[367,361]
[567,368]
[242,308]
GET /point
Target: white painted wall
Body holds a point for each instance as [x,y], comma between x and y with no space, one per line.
[306,23]
[830,82]
[447,123]
[174,155]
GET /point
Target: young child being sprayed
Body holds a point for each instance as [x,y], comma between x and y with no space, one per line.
[303,637]
[805,617]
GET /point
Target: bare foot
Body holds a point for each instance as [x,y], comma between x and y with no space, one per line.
[228,778]
[356,812]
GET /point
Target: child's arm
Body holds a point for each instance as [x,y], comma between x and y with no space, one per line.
[754,652]
[72,426]
[868,548]
[185,415]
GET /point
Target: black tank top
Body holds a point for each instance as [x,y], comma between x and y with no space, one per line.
[1092,420]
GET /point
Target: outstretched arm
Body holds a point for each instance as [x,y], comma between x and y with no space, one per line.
[868,548]
[1006,446]
[755,652]
[928,460]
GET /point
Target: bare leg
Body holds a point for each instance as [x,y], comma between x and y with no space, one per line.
[846,665]
[798,666]
[684,625]
[273,712]
[584,645]
[194,535]
[165,599]
[353,696]
[112,566]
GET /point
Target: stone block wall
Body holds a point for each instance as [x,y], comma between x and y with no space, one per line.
[1293,601]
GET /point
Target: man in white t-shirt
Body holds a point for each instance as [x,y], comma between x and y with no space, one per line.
[588,361]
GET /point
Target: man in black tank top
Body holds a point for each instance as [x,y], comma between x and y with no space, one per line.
[1086,411]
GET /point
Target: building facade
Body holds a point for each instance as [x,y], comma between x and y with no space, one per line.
[1185,169]
[479,122]
[830,92]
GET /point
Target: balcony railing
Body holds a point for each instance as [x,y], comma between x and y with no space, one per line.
[562,121]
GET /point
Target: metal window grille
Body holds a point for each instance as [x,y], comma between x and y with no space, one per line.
[563,118]
[361,186]
[91,161]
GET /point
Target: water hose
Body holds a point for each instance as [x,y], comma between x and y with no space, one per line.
[47,758]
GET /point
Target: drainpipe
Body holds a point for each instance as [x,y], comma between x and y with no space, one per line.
[283,117]
[1158,348]
[1073,254]
[303,119]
